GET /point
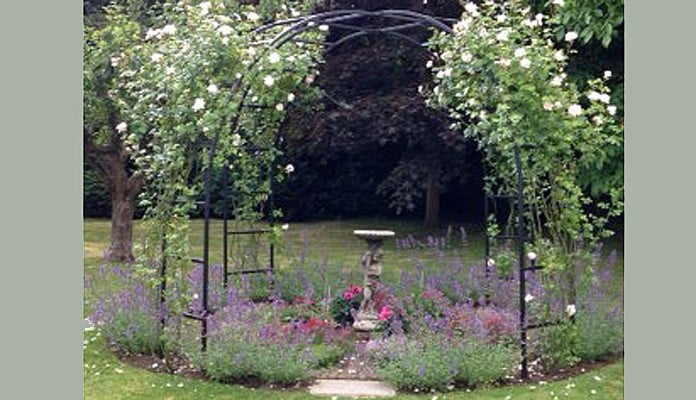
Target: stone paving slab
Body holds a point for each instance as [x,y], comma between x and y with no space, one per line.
[351,388]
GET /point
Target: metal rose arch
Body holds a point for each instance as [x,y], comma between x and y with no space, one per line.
[395,23]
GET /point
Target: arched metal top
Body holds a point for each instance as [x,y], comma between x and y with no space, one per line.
[395,21]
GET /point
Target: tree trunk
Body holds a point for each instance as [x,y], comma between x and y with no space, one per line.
[432,199]
[124,190]
[122,209]
[110,162]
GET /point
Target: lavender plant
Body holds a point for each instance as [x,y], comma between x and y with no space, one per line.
[127,312]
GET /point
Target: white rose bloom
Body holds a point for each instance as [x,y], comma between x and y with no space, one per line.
[525,63]
[604,98]
[198,104]
[274,58]
[531,255]
[530,23]
[291,97]
[558,2]
[169,70]
[607,74]
[114,61]
[157,57]
[502,36]
[570,310]
[539,18]
[268,80]
[570,36]
[520,52]
[225,30]
[528,298]
[324,28]
[280,107]
[611,110]
[501,18]
[503,62]
[169,29]
[559,56]
[462,25]
[471,8]
[557,81]
[597,120]
[548,106]
[285,227]
[122,127]
[238,75]
[205,7]
[289,169]
[236,140]
[575,110]
[213,89]
[491,262]
[429,64]
[252,16]
[150,34]
[251,51]
[594,96]
[467,57]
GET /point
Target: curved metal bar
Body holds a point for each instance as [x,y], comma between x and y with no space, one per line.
[365,33]
[300,25]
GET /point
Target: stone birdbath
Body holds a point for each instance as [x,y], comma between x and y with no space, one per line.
[367,318]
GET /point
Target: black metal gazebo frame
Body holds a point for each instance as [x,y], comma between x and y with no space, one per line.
[398,22]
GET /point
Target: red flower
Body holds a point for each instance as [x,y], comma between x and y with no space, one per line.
[385,313]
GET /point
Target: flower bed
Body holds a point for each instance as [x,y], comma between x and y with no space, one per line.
[436,332]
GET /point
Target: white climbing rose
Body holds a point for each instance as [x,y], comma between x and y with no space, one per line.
[575,110]
[198,104]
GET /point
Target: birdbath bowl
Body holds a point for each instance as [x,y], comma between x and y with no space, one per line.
[368,316]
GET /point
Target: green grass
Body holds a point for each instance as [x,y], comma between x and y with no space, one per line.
[105,377]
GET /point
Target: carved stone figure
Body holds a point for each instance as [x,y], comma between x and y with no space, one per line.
[367,318]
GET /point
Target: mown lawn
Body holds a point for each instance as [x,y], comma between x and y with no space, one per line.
[332,244]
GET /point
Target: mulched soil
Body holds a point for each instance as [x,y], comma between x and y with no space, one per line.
[352,366]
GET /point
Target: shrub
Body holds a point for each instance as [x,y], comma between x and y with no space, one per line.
[127,313]
[482,363]
[415,364]
[600,334]
[559,345]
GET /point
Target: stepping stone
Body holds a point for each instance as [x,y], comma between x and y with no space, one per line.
[351,388]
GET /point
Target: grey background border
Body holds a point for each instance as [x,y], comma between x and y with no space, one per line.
[40,166]
[659,276]
[41,202]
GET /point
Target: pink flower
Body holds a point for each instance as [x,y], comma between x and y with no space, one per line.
[347,295]
[355,289]
[385,313]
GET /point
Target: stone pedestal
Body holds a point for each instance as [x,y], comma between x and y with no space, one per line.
[367,318]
